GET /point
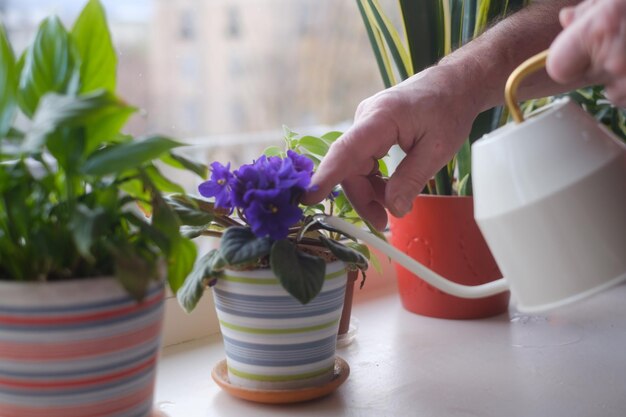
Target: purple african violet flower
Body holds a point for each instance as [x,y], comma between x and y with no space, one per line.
[219,186]
[272,213]
[267,191]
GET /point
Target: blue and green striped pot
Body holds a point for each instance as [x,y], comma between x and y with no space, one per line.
[272,341]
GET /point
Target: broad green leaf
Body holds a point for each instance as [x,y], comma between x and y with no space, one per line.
[93,41]
[8,81]
[134,271]
[148,231]
[273,151]
[125,156]
[188,211]
[180,162]
[239,245]
[180,261]
[161,182]
[331,137]
[313,145]
[57,111]
[106,128]
[164,218]
[208,267]
[346,254]
[84,225]
[50,64]
[301,274]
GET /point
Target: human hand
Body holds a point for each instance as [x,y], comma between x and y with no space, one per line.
[428,116]
[592,47]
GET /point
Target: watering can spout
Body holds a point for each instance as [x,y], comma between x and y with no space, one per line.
[426,274]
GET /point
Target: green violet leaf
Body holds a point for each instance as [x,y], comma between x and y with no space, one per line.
[239,245]
[301,274]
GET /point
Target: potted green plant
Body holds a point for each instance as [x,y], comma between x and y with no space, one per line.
[440,231]
[86,236]
[315,148]
[278,277]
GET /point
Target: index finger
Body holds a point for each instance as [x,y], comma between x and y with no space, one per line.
[350,155]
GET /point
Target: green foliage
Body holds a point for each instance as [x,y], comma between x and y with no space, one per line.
[71,184]
[93,41]
[8,78]
[594,101]
[432,29]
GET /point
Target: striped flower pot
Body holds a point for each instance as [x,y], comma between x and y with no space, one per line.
[272,341]
[80,348]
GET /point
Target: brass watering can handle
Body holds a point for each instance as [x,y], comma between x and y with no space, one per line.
[527,67]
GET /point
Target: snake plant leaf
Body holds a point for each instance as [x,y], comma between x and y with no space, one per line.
[239,245]
[301,274]
[126,156]
[463,185]
[392,39]
[93,41]
[377,43]
[8,78]
[206,269]
[464,166]
[424,27]
[50,65]
[457,11]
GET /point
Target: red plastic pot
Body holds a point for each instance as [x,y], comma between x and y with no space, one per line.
[441,233]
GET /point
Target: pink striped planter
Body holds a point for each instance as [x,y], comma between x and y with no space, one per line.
[80,348]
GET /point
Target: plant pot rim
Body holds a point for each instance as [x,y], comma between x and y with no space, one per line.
[465,197]
[267,269]
[58,282]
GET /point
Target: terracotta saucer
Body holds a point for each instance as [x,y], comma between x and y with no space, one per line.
[282,396]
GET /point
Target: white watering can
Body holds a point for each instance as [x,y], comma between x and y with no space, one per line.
[550,200]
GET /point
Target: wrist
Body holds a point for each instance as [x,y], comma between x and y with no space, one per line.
[466,77]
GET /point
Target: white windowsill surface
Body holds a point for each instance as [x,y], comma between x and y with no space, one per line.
[571,362]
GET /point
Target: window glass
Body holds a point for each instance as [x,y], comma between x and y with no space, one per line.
[244,65]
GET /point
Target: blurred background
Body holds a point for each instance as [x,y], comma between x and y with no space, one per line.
[226,75]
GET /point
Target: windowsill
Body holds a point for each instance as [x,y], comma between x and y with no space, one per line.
[567,363]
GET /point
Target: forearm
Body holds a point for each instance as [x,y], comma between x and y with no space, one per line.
[483,65]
